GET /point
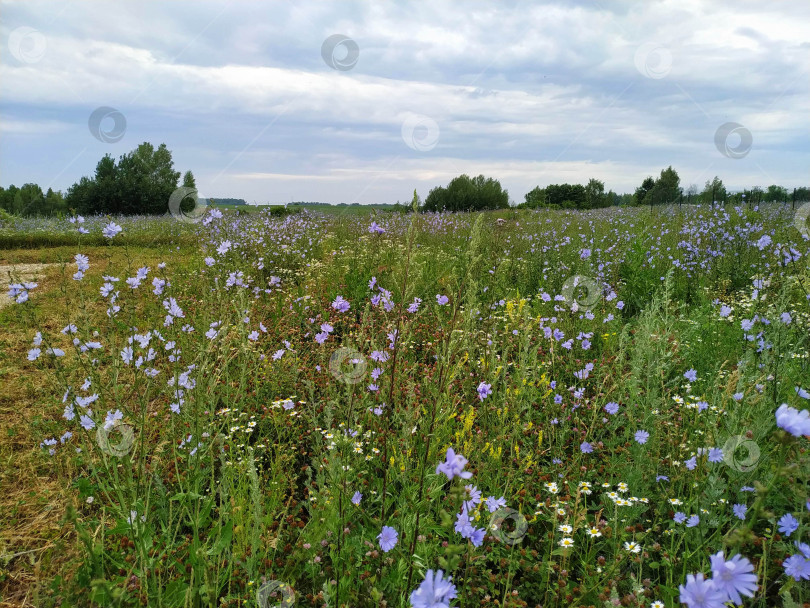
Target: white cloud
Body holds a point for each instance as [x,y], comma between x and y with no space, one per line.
[532,93]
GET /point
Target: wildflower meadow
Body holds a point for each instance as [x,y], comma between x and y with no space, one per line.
[522,408]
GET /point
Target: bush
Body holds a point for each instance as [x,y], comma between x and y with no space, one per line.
[465,193]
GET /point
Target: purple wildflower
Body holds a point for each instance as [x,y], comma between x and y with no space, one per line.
[798,565]
[434,592]
[388,538]
[700,593]
[340,304]
[734,577]
[788,524]
[493,504]
[453,466]
[111,229]
[484,390]
[795,422]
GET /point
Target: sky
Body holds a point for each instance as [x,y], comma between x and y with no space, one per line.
[363,102]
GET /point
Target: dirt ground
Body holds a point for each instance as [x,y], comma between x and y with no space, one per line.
[11,273]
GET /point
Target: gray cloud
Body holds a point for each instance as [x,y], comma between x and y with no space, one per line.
[528,93]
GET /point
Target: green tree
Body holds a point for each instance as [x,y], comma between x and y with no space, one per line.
[147,179]
[464,193]
[30,200]
[713,191]
[667,186]
[566,196]
[7,196]
[641,192]
[594,194]
[81,196]
[187,204]
[535,198]
[436,199]
[188,180]
[54,203]
[141,182]
[666,189]
[776,194]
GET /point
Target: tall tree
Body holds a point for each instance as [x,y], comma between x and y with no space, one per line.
[713,191]
[141,182]
[29,200]
[188,180]
[7,196]
[465,193]
[147,179]
[535,198]
[188,203]
[667,186]
[641,192]
[776,194]
[594,194]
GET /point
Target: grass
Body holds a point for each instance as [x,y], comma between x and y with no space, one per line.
[236,461]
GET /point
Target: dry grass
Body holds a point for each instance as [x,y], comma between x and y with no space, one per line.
[32,541]
[35,546]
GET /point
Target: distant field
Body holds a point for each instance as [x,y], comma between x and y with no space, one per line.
[200,414]
[342,210]
[330,209]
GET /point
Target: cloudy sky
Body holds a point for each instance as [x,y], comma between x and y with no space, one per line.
[363,102]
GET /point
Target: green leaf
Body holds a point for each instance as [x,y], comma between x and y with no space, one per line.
[175,593]
[223,541]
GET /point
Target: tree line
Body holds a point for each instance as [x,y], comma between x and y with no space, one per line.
[139,182]
[143,180]
[465,193]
